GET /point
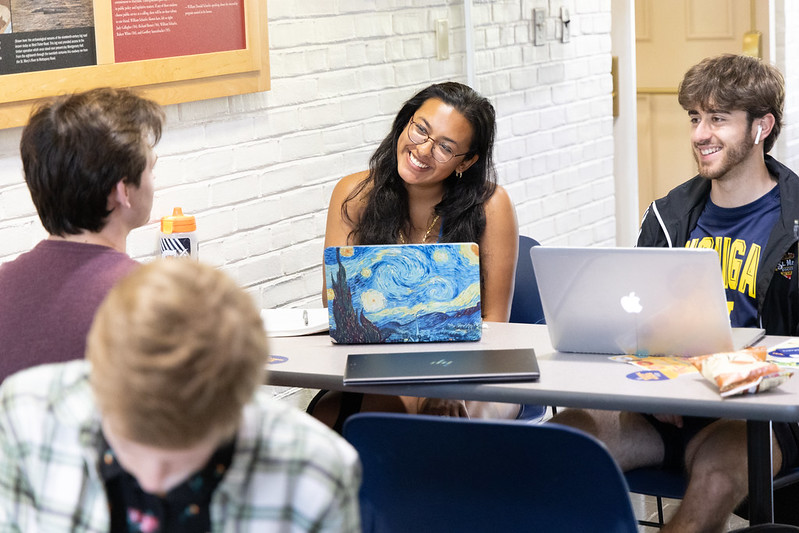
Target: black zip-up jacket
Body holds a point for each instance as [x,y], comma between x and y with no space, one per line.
[668,222]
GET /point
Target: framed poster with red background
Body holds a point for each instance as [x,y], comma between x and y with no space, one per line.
[170,50]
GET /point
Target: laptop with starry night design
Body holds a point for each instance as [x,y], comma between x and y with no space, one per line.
[403,293]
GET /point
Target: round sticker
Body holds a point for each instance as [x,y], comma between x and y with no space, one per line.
[647,375]
[276,359]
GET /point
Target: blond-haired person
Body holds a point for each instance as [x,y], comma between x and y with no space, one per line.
[164,428]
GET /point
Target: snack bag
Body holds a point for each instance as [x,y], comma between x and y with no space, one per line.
[744,371]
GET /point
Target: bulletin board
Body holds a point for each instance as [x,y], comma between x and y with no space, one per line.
[171,51]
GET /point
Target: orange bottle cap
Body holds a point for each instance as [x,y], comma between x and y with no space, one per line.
[178,222]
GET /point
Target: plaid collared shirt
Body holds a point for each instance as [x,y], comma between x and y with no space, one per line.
[289,473]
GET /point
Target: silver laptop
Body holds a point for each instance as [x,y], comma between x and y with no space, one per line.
[441,367]
[647,301]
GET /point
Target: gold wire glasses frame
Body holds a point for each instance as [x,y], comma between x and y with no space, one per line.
[418,135]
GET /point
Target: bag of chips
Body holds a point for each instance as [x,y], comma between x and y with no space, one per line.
[741,372]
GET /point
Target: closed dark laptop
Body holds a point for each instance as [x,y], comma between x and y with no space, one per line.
[441,367]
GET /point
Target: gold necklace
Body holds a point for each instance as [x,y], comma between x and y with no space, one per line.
[426,233]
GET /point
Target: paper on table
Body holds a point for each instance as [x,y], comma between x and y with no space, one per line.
[785,353]
[294,322]
[670,367]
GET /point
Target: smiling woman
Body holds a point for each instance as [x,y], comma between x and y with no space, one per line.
[432,179]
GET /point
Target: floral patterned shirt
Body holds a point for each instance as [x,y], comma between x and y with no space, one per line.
[184,509]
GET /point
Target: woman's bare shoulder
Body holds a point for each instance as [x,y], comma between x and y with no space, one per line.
[348,184]
[344,211]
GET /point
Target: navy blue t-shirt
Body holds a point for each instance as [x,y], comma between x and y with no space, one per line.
[739,235]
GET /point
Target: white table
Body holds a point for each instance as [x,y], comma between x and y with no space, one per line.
[570,380]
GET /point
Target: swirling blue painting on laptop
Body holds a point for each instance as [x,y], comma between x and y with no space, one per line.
[403,293]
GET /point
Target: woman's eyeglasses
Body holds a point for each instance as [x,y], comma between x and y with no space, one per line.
[441,151]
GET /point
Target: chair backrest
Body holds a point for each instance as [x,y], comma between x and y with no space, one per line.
[437,474]
[526,305]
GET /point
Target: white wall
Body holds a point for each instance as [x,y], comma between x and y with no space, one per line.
[625,125]
[257,170]
[787,60]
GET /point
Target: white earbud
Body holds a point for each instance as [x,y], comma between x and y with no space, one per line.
[759,132]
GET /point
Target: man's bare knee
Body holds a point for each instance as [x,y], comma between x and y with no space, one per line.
[721,445]
[631,440]
[582,419]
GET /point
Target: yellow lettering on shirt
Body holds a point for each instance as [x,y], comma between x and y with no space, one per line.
[738,264]
[725,256]
[733,270]
[748,279]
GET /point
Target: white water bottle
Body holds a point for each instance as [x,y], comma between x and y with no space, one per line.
[178,235]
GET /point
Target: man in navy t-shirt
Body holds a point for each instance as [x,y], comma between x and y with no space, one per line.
[743,204]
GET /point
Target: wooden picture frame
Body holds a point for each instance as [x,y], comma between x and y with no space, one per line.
[166,80]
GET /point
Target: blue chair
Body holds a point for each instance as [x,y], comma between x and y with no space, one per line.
[658,482]
[439,475]
[526,307]
[526,304]
[664,483]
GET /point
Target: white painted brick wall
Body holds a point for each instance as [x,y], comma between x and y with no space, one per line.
[787,148]
[257,170]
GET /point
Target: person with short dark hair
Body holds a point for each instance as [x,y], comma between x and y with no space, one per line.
[163,428]
[744,204]
[88,160]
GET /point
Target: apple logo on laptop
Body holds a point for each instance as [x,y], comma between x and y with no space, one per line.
[631,303]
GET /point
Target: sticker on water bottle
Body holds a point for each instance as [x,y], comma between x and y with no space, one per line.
[175,247]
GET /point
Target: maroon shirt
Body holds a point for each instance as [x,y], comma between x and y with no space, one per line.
[48,298]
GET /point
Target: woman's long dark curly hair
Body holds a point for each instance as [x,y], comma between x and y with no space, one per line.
[462,207]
